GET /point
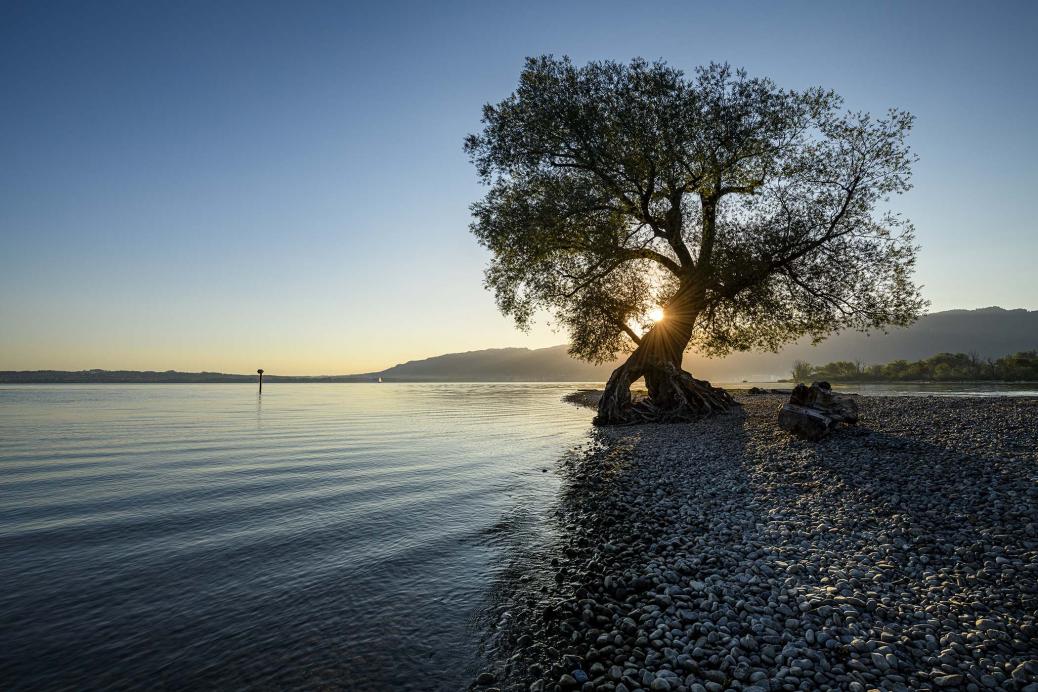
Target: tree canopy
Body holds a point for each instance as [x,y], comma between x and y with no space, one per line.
[1022,366]
[759,213]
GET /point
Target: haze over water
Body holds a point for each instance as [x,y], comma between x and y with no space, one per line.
[198,535]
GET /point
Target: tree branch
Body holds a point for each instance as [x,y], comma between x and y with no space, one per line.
[673,229]
[661,259]
[630,332]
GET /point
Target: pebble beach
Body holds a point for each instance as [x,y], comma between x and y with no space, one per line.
[898,554]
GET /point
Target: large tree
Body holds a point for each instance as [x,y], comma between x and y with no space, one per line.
[752,215]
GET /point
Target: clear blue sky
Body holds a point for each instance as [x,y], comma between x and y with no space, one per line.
[225,186]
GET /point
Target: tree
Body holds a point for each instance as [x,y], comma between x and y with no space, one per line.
[802,371]
[750,214]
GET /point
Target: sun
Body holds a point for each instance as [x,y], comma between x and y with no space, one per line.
[655,314]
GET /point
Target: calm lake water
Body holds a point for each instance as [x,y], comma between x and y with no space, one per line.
[346,536]
[913,389]
[341,536]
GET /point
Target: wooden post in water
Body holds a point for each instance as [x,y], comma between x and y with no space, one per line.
[260,371]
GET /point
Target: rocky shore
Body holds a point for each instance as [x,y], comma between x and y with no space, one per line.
[899,554]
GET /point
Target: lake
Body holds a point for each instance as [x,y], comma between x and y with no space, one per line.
[356,536]
[911,388]
[348,536]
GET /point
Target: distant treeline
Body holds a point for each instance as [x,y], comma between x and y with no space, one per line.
[943,367]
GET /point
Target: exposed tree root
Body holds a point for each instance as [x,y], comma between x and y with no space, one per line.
[674,396]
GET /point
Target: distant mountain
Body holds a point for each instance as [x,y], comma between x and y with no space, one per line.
[990,332]
[552,364]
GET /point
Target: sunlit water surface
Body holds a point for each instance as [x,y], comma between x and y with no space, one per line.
[347,536]
[353,536]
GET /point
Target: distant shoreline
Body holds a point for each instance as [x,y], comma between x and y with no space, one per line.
[861,382]
[175,377]
[7,378]
[170,377]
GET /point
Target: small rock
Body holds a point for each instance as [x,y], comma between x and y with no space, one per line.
[948,680]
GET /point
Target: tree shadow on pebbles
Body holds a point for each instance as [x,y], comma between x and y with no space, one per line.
[723,554]
[911,544]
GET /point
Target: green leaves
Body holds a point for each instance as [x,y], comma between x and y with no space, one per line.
[611,186]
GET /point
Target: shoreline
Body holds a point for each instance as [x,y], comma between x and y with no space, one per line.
[723,554]
[834,381]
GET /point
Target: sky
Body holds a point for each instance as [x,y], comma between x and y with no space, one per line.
[226,186]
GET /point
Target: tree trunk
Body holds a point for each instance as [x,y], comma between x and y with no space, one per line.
[674,395]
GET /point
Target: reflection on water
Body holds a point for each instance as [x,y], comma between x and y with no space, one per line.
[913,389]
[945,389]
[324,535]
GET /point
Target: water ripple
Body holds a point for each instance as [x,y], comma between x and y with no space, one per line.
[341,536]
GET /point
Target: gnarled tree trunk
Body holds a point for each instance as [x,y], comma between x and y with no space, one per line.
[674,395]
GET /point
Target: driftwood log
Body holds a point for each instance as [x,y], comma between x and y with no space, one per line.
[813,411]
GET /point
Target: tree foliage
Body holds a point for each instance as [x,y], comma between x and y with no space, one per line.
[802,371]
[616,187]
[1022,366]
